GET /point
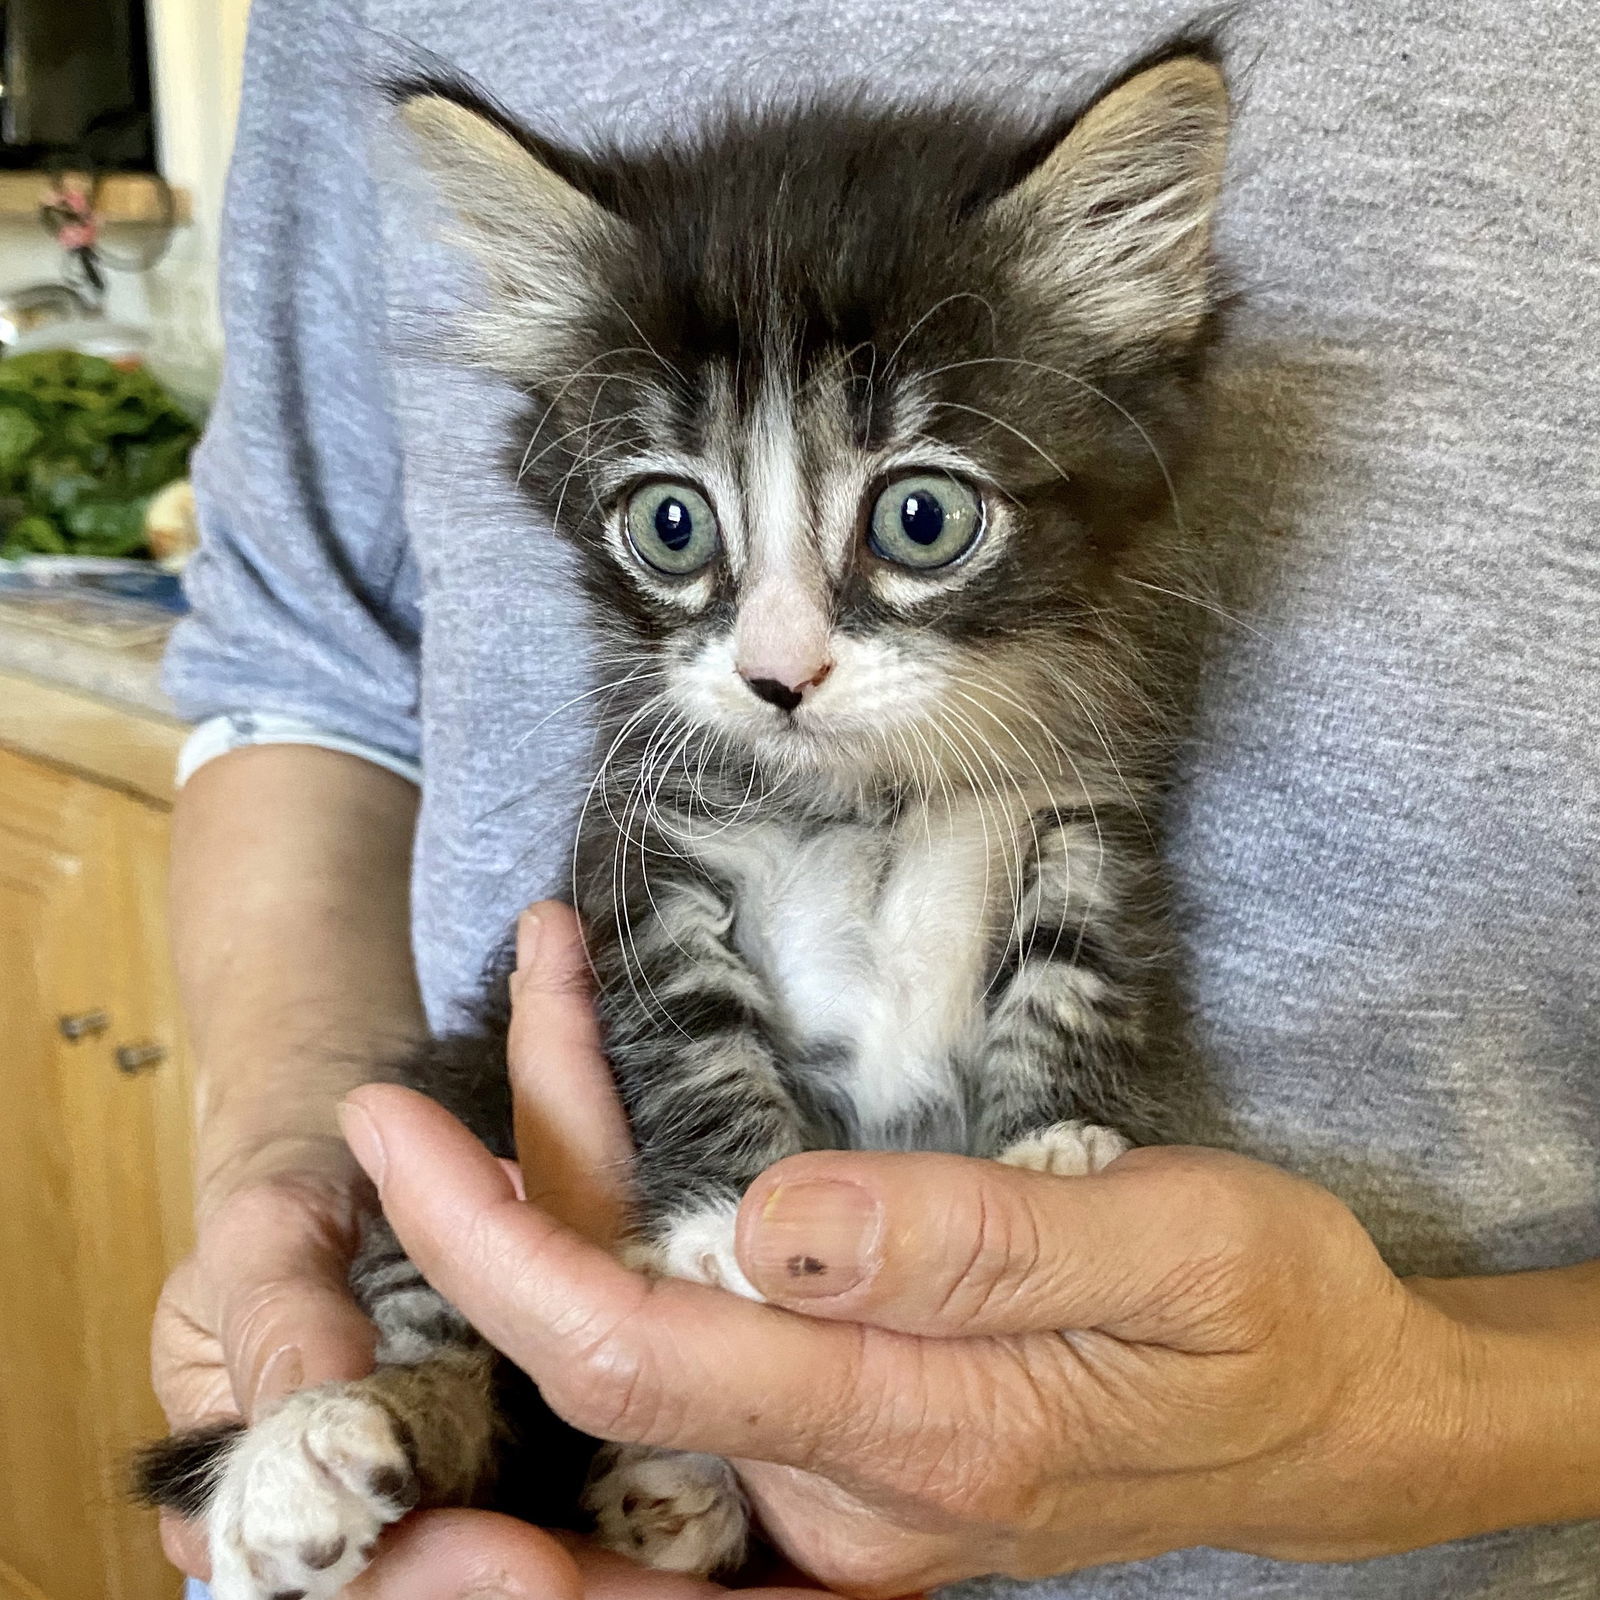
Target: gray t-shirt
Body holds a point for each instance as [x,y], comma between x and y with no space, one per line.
[1386,840]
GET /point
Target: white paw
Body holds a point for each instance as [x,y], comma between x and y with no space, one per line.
[671,1510]
[304,1494]
[697,1245]
[1068,1149]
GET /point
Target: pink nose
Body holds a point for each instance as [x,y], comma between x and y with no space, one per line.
[779,691]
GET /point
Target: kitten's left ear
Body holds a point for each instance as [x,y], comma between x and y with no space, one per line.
[541,239]
[1116,219]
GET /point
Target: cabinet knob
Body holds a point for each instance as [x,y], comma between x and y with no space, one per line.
[132,1058]
[83,1024]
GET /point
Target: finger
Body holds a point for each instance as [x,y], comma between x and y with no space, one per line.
[187,1370]
[572,1136]
[473,1555]
[950,1246]
[287,1319]
[618,1355]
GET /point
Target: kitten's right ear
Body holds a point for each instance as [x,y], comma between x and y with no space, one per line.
[541,239]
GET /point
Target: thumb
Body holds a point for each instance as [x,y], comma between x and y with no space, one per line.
[950,1246]
[281,1255]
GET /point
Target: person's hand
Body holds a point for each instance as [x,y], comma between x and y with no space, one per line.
[261,1307]
[1238,1367]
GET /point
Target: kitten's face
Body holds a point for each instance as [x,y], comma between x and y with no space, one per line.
[855,417]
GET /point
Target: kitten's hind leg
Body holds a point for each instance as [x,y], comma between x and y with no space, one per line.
[674,1510]
[307,1490]
[294,1502]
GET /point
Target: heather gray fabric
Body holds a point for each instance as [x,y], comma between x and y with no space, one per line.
[1386,843]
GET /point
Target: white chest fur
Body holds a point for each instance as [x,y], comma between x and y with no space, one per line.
[875,945]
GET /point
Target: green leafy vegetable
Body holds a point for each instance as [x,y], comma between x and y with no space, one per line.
[84,443]
[107,527]
[19,433]
[35,535]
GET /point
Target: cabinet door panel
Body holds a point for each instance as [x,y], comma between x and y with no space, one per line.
[128,1134]
[46,825]
[93,1181]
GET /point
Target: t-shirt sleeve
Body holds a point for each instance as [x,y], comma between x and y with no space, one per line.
[304,593]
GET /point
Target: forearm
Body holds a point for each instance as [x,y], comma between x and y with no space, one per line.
[1528,1426]
[290,889]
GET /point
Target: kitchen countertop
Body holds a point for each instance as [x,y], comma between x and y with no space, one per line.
[88,706]
[126,676]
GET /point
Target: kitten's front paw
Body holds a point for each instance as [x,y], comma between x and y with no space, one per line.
[697,1245]
[304,1494]
[672,1510]
[1067,1149]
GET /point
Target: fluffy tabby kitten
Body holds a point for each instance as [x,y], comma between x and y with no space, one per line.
[861,420]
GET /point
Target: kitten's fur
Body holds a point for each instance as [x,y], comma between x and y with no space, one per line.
[867,863]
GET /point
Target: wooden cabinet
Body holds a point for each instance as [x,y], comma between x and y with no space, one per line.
[94,1176]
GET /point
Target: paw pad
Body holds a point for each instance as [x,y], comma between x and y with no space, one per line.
[672,1510]
[304,1495]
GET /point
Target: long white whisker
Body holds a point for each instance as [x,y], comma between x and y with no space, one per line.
[989,416]
[609,687]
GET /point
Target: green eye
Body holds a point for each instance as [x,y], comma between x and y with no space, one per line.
[926,520]
[672,528]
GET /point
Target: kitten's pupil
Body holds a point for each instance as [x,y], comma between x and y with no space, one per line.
[674,524]
[922,517]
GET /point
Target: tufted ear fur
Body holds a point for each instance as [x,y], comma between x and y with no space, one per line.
[1115,221]
[539,237]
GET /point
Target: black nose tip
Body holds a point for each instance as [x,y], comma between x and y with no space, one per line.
[774,693]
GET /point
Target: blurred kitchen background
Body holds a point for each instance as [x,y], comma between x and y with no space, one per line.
[116,118]
[98,68]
